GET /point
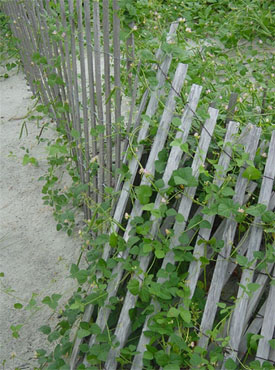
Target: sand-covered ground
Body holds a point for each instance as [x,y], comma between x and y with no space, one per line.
[34,257]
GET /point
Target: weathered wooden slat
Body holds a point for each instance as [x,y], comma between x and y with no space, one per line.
[97,64]
[228,236]
[239,313]
[116,43]
[86,130]
[268,326]
[231,107]
[107,80]
[159,142]
[92,105]
[195,266]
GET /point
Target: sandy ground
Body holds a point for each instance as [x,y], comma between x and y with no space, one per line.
[34,257]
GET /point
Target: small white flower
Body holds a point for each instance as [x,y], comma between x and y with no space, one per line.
[196,135]
[187,29]
[220,97]
[240,100]
[208,91]
[135,28]
[126,216]
[267,120]
[264,155]
[269,107]
[63,34]
[182,20]
[54,32]
[94,159]
[167,232]
[146,172]
[260,41]
[163,200]
[240,210]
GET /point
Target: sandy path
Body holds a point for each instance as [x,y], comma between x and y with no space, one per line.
[34,257]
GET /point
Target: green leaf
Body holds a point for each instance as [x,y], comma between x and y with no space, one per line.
[133,286]
[272,343]
[159,253]
[185,315]
[252,173]
[113,240]
[242,260]
[148,207]
[195,360]
[268,217]
[227,192]
[82,333]
[147,248]
[180,218]
[144,193]
[171,367]
[45,329]
[176,121]
[2,274]
[171,212]
[159,183]
[256,211]
[184,238]
[184,147]
[18,306]
[95,329]
[253,287]
[173,312]
[148,355]
[230,364]
[183,176]
[205,224]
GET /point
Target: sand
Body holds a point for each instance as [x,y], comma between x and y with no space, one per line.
[34,257]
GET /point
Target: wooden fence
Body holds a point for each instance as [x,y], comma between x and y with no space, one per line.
[75,105]
[65,50]
[244,317]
